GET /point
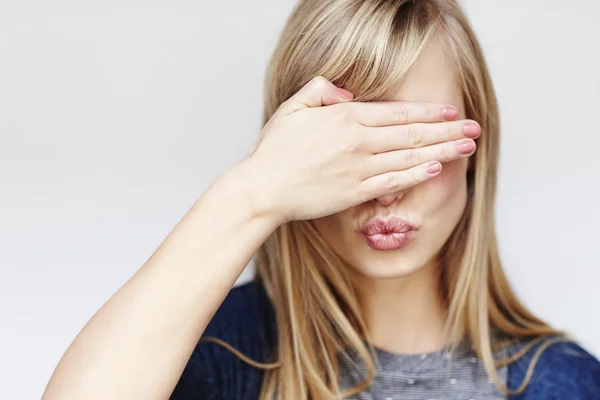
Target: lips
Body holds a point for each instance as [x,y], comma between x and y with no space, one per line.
[390,234]
[392,225]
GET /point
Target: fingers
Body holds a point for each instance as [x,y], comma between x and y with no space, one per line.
[397,137]
[398,160]
[316,93]
[401,112]
[395,181]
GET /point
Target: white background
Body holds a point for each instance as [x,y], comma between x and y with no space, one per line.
[115,116]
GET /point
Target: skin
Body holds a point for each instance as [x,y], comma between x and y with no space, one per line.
[399,288]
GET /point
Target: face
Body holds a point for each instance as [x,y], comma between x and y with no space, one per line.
[434,207]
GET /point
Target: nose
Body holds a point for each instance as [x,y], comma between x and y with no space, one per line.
[390,198]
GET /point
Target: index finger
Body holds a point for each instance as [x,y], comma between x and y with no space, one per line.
[385,113]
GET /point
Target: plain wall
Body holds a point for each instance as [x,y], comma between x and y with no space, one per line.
[116,115]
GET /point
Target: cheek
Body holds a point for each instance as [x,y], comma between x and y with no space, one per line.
[447,199]
[329,227]
[337,230]
[442,190]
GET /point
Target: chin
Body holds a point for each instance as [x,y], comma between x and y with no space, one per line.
[389,264]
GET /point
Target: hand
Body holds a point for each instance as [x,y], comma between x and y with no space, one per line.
[320,153]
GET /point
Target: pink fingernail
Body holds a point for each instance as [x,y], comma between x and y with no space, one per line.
[471,129]
[466,146]
[449,112]
[344,93]
[434,167]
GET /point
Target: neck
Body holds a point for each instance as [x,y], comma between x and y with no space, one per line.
[407,314]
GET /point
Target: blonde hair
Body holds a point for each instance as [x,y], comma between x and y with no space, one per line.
[367,46]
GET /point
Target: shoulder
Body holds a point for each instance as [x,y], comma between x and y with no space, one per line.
[245,321]
[563,370]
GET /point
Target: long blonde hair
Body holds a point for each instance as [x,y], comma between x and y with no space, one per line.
[367,46]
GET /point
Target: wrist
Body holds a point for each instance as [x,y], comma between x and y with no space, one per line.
[244,183]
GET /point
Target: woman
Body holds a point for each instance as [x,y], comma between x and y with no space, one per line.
[378,274]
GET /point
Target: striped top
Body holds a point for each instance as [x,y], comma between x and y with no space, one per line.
[429,376]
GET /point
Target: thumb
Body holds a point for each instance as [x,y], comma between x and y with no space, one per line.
[316,93]
[319,91]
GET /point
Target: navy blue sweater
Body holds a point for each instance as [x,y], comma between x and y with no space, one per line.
[246,321]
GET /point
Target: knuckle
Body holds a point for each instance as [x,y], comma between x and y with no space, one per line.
[361,141]
[343,113]
[352,142]
[364,194]
[432,113]
[400,113]
[447,131]
[352,146]
[412,158]
[391,181]
[415,176]
[415,136]
[443,153]
[320,82]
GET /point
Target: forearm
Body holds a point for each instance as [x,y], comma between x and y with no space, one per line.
[138,343]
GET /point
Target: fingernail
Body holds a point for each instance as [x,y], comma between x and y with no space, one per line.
[471,129]
[434,167]
[344,93]
[466,146]
[449,112]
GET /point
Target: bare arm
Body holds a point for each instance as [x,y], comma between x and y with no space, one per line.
[138,343]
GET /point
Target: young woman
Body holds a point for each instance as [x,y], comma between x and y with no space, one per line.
[371,216]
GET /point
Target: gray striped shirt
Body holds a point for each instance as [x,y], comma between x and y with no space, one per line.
[427,376]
